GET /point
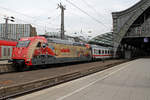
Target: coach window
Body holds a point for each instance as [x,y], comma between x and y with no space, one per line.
[5,52]
[99,51]
[8,51]
[94,51]
[105,51]
[102,51]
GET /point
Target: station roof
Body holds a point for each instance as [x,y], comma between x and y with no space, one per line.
[105,39]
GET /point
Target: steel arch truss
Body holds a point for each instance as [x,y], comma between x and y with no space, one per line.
[123,20]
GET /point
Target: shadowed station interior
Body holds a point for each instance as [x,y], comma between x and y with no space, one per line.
[131,31]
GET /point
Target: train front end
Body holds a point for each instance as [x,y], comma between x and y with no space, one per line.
[19,54]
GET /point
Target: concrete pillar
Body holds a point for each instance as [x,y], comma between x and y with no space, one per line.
[128,54]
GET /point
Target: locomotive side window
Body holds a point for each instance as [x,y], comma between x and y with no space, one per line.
[44,45]
[23,43]
[39,44]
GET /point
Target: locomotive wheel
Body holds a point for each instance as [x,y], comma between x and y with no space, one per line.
[20,66]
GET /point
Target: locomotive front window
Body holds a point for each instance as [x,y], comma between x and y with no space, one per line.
[23,43]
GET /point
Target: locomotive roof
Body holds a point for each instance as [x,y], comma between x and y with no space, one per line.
[69,42]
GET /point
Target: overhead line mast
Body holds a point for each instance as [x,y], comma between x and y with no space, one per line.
[62,20]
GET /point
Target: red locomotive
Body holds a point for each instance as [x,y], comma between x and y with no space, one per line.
[40,51]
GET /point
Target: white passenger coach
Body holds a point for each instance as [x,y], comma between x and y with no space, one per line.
[100,52]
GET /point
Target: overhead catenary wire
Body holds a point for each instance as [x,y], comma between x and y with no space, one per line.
[27,16]
[27,22]
[10,10]
[40,27]
[34,24]
[54,18]
[93,8]
[31,18]
[93,18]
[88,5]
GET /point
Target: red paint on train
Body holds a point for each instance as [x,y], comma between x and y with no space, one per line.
[7,43]
[24,51]
[65,50]
[0,52]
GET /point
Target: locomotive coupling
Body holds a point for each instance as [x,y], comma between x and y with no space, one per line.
[10,60]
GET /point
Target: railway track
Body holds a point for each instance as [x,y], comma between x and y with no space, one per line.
[13,84]
[6,68]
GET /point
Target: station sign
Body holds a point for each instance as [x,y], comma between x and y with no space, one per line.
[146,40]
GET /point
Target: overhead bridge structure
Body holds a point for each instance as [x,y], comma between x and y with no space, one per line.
[131,30]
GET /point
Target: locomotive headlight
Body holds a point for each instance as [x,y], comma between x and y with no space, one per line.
[13,55]
[28,59]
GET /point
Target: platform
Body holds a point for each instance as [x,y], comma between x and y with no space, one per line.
[3,62]
[128,81]
[5,67]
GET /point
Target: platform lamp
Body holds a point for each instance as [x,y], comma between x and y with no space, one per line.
[6,24]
